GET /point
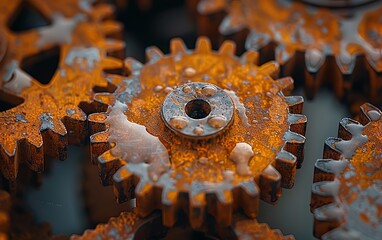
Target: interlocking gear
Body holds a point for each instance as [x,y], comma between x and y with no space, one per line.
[53,115]
[340,47]
[129,226]
[200,131]
[347,189]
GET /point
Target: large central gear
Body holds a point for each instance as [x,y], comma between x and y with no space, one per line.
[49,116]
[347,193]
[338,47]
[201,131]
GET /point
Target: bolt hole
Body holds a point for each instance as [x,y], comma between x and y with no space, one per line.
[198,108]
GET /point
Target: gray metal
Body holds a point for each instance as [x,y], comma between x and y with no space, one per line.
[197,110]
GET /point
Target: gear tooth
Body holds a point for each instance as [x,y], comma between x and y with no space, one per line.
[257,41]
[326,169]
[197,209]
[107,99]
[346,63]
[314,59]
[35,163]
[326,218]
[369,113]
[286,164]
[295,104]
[111,27]
[96,123]
[108,166]
[177,46]
[286,84]
[283,53]
[102,11]
[55,140]
[330,150]
[343,129]
[133,66]
[250,57]
[203,45]
[235,21]
[270,184]
[338,234]
[124,183]
[323,193]
[110,63]
[153,54]
[146,201]
[170,206]
[98,145]
[374,59]
[295,144]
[224,208]
[227,48]
[269,68]
[249,198]
[9,163]
[75,122]
[297,123]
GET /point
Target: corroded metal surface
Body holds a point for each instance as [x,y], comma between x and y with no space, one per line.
[347,193]
[129,226]
[197,110]
[256,155]
[53,115]
[321,46]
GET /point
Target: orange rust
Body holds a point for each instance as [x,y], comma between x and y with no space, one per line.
[54,114]
[129,226]
[268,132]
[348,186]
[317,45]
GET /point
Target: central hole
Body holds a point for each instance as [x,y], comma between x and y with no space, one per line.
[198,108]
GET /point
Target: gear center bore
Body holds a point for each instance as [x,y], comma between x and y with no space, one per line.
[197,110]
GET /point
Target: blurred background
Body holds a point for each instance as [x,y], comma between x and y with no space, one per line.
[71,198]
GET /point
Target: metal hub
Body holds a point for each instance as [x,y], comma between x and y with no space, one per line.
[197,110]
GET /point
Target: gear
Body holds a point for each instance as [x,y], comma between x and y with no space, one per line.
[129,226]
[52,115]
[197,130]
[340,47]
[347,192]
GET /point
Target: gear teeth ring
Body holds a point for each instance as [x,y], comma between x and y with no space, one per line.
[319,45]
[346,194]
[51,116]
[129,226]
[254,156]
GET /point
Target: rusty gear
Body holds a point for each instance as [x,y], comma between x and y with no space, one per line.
[251,158]
[347,192]
[50,116]
[340,47]
[129,226]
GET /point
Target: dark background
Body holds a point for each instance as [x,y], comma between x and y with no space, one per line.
[71,199]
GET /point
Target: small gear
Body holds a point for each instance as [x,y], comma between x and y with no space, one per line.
[347,189]
[129,226]
[201,131]
[52,115]
[340,47]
